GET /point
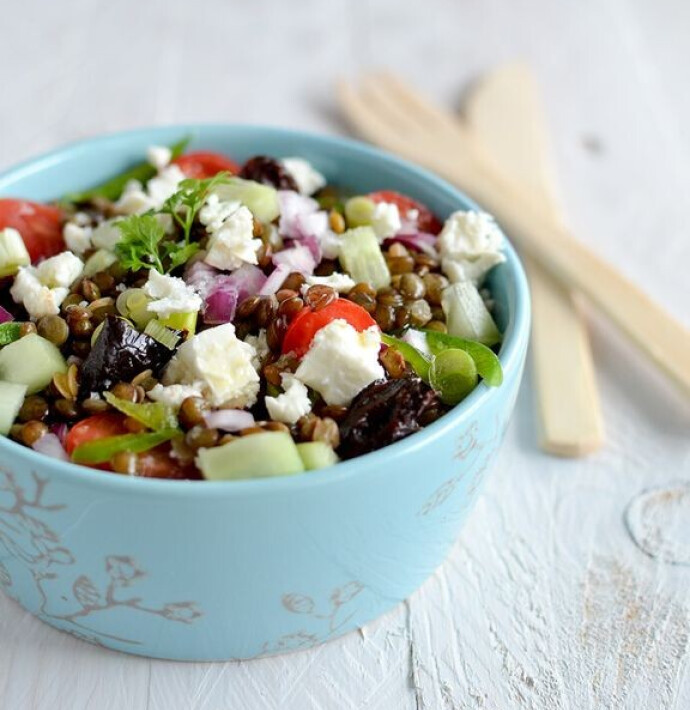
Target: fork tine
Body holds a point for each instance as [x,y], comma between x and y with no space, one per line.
[376,93]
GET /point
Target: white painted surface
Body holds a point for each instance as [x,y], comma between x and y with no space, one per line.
[546,601]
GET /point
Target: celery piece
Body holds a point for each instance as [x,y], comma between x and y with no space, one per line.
[11,399]
[102,450]
[261,200]
[453,375]
[153,415]
[417,360]
[181,321]
[316,454]
[272,453]
[98,261]
[9,332]
[487,362]
[13,252]
[31,361]
[162,334]
[112,189]
[361,257]
[467,315]
[359,211]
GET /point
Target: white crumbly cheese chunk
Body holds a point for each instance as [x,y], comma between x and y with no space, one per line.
[159,156]
[60,271]
[174,395]
[231,228]
[292,404]
[385,220]
[38,299]
[77,237]
[136,198]
[260,345]
[106,235]
[341,283]
[470,245]
[170,295]
[341,361]
[330,244]
[308,179]
[220,364]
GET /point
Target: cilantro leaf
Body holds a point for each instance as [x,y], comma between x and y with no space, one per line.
[139,246]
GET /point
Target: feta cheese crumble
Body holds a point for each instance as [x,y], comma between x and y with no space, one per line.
[137,199]
[385,220]
[260,345]
[292,404]
[219,364]
[77,237]
[339,282]
[170,295]
[231,229]
[41,289]
[470,245]
[308,179]
[341,361]
[174,395]
[159,156]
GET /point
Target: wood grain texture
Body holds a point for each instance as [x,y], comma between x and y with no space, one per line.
[547,601]
[504,112]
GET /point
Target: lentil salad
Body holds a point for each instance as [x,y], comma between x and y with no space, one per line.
[195,318]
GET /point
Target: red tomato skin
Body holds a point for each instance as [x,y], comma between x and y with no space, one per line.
[427,221]
[205,164]
[39,225]
[97,426]
[307,322]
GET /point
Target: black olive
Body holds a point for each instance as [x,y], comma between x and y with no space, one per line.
[269,172]
[384,412]
[119,354]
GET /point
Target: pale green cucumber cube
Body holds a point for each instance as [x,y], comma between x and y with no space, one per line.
[262,200]
[99,261]
[361,257]
[31,361]
[11,399]
[272,453]
[13,252]
[316,454]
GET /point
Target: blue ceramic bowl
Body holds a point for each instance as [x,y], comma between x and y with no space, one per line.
[208,571]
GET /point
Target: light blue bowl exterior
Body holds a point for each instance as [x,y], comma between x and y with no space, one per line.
[211,571]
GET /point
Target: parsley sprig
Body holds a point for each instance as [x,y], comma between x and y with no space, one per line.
[145,243]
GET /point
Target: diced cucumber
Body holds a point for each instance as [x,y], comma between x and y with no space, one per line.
[13,253]
[163,335]
[359,211]
[99,261]
[31,361]
[11,399]
[262,200]
[272,453]
[467,315]
[181,321]
[316,454]
[361,257]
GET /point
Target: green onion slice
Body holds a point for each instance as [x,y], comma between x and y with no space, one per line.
[453,375]
[153,415]
[417,360]
[102,450]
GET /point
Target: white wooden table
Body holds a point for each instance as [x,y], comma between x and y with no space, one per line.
[569,586]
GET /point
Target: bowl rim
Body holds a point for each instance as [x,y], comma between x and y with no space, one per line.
[514,343]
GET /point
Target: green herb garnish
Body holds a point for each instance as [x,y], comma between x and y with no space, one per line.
[112,189]
[145,243]
[102,450]
[9,332]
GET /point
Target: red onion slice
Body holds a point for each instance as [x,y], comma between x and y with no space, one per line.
[296,258]
[220,305]
[229,419]
[419,241]
[275,280]
[5,315]
[49,445]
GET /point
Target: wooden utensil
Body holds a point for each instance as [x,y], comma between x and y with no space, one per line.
[504,113]
[389,113]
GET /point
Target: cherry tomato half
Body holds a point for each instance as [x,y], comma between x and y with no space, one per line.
[204,164]
[97,426]
[426,222]
[39,225]
[301,331]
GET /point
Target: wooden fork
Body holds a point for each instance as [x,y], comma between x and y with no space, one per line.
[389,113]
